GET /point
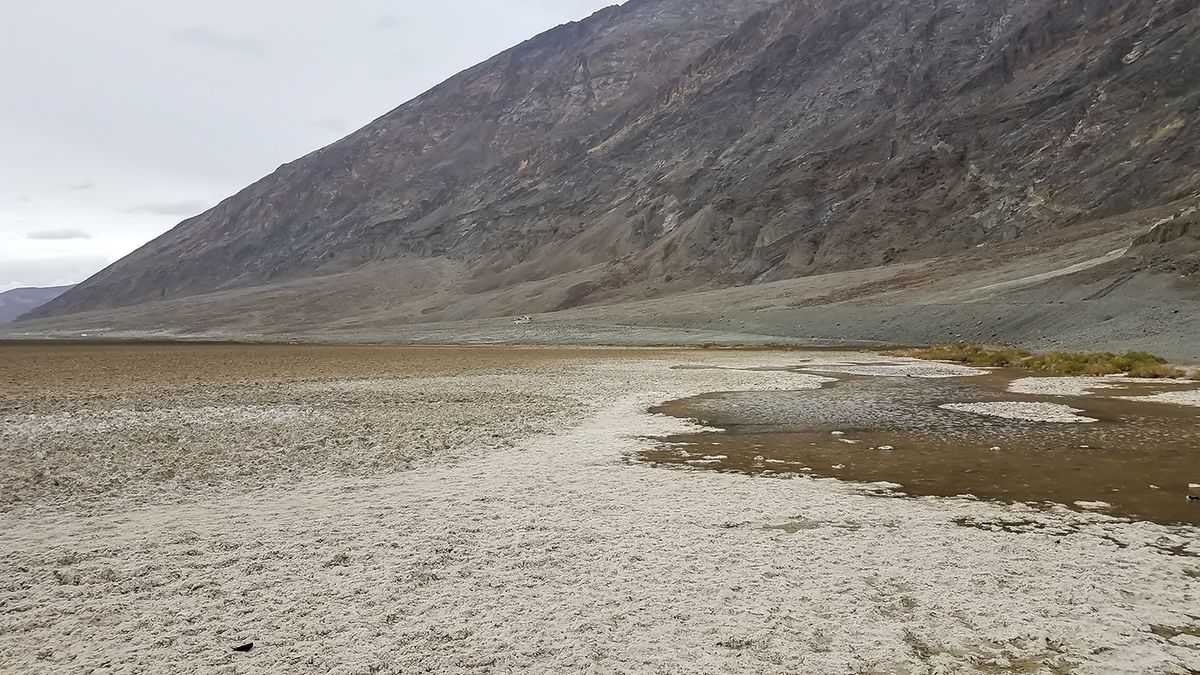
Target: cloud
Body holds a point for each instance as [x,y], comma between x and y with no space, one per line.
[330,124]
[60,234]
[215,39]
[25,199]
[387,22]
[48,272]
[185,207]
[85,185]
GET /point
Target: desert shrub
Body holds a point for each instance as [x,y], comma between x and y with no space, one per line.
[1068,363]
[1156,371]
[970,354]
[1133,363]
[1100,363]
[1144,356]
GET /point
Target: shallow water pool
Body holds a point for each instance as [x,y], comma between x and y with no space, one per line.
[1136,459]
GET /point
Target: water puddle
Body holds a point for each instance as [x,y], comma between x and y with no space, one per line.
[1130,458]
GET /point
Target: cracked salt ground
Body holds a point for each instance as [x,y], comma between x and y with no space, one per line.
[553,555]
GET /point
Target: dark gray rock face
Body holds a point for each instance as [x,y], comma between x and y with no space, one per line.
[718,142]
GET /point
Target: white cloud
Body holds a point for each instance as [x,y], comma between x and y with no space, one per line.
[185,207]
[331,124]
[215,39]
[43,273]
[60,234]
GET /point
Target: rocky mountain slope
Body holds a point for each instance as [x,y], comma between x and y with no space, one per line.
[671,145]
[18,301]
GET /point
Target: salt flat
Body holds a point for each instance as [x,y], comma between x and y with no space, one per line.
[394,510]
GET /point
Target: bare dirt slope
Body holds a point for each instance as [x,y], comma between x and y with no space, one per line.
[668,146]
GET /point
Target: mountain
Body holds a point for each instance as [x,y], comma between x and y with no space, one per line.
[443,165]
[667,146]
[18,301]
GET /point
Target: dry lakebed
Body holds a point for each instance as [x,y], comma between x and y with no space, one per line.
[386,509]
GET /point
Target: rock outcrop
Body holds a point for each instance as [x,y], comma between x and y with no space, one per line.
[1172,245]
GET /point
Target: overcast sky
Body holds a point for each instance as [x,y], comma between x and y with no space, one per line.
[121,118]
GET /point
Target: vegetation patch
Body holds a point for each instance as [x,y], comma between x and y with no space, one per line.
[1131,363]
[970,354]
[1161,370]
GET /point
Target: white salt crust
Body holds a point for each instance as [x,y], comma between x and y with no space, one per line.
[1019,410]
[1190,397]
[1059,386]
[1083,386]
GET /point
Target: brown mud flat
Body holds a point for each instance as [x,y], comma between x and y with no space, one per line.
[73,367]
[1138,457]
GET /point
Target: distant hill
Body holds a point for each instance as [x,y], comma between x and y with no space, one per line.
[18,301]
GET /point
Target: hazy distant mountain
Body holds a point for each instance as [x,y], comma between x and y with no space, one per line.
[667,145]
[18,301]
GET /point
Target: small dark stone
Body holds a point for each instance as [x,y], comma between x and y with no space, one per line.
[244,648]
[1194,498]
